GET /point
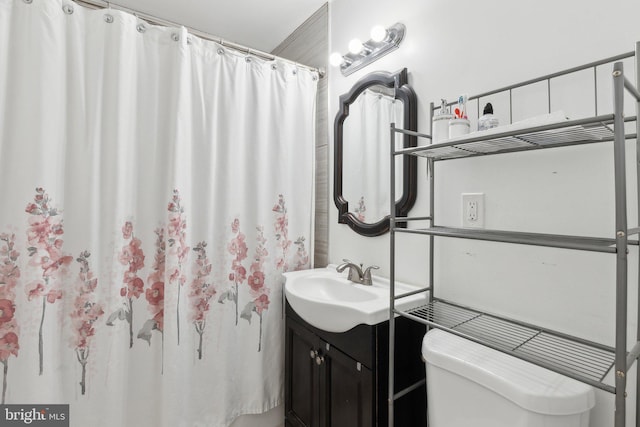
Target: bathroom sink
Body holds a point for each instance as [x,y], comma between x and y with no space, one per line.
[325,299]
[326,288]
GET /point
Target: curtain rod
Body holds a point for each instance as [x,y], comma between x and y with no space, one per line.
[103,4]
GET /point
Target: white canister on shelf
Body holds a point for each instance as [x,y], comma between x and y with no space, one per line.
[459,127]
[440,127]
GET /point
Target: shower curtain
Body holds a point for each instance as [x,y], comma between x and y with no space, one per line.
[154,187]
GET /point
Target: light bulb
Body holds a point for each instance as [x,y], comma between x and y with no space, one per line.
[378,33]
[336,59]
[355,46]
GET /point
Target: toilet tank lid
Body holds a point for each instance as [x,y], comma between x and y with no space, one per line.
[527,385]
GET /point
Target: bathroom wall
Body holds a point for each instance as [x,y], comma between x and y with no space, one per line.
[471,47]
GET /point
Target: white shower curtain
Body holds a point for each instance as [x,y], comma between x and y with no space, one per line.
[154,186]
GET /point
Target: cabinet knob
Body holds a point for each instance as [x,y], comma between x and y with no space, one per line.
[313,353]
[319,360]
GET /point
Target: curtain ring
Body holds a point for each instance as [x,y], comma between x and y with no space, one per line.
[28,1]
[220,51]
[108,18]
[68,9]
[141,28]
[274,67]
[175,37]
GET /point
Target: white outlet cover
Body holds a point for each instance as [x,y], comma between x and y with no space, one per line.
[473,210]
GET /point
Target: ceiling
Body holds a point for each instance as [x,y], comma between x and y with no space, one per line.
[257,24]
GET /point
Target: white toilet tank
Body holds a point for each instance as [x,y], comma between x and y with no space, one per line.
[472,385]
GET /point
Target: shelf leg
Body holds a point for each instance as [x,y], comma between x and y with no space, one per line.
[392,274]
[637,57]
[621,246]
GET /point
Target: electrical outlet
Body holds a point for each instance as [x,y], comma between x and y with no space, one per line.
[473,210]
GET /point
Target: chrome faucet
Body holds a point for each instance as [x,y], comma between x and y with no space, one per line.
[356,274]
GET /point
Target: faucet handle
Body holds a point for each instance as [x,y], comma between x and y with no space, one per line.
[366,276]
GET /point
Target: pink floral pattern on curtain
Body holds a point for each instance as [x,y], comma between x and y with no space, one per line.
[301,257]
[202,290]
[256,281]
[238,248]
[44,236]
[282,233]
[9,277]
[155,292]
[178,249]
[360,210]
[85,313]
[132,257]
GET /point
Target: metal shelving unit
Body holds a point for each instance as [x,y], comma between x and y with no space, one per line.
[583,360]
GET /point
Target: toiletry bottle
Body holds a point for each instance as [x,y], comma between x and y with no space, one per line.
[440,126]
[488,120]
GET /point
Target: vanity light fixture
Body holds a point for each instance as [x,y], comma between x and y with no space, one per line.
[383,40]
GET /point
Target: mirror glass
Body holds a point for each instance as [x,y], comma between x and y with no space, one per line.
[366,146]
[362,139]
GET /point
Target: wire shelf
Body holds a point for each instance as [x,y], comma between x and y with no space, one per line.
[595,244]
[579,359]
[570,132]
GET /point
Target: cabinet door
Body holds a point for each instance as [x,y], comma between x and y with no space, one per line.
[346,391]
[302,403]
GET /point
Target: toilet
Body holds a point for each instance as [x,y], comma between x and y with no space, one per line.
[469,384]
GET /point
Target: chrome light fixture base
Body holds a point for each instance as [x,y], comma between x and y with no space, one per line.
[373,50]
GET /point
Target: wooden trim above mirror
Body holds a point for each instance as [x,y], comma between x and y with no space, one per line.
[403,92]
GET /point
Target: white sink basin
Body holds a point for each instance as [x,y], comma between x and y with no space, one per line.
[325,299]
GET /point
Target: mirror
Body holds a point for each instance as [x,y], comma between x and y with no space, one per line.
[361,154]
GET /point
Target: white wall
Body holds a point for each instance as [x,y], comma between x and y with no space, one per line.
[471,47]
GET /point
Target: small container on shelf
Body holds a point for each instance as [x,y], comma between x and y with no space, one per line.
[440,125]
[459,127]
[460,124]
[488,120]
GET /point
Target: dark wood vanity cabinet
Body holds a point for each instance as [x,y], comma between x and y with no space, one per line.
[341,379]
